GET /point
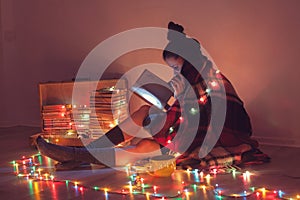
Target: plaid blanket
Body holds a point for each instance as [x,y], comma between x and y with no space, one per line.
[175,132]
[241,155]
[234,145]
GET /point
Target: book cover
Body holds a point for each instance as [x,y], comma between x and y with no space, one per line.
[154,90]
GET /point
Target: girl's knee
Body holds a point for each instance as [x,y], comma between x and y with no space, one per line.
[139,115]
[144,109]
[147,145]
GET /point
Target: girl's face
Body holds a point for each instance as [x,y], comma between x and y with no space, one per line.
[175,63]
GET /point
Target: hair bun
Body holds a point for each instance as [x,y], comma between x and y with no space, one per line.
[175,27]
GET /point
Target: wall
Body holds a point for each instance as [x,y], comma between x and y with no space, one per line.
[255,43]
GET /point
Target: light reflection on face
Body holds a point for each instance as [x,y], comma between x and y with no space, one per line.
[175,63]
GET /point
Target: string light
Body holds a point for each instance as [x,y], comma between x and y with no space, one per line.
[130,187]
[193,111]
[202,99]
[28,168]
[155,189]
[181,119]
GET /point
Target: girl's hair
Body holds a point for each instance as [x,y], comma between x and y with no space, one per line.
[176,40]
[174,27]
[169,54]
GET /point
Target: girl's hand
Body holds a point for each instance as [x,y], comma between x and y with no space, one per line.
[178,84]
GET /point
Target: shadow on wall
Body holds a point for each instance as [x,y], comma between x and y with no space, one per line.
[273,121]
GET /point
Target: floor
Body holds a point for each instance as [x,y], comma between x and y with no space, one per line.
[279,179]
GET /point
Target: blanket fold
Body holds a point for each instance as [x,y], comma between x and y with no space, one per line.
[241,155]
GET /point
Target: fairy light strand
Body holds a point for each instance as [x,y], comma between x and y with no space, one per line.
[28,168]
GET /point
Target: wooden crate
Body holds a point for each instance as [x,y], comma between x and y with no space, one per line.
[61,93]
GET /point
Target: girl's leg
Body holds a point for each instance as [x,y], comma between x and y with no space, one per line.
[125,131]
[144,149]
[102,147]
[107,156]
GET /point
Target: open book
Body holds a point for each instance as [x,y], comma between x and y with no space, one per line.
[154,90]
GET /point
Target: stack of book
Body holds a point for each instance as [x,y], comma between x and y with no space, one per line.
[56,118]
[108,108]
[81,119]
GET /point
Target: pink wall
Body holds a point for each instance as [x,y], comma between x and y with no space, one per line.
[255,43]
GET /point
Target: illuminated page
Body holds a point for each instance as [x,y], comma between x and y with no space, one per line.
[154,90]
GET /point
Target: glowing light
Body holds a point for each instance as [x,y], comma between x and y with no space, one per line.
[130,187]
[207,179]
[155,188]
[31,173]
[195,187]
[187,194]
[112,88]
[248,174]
[201,176]
[234,173]
[70,133]
[76,184]
[128,168]
[193,111]
[181,118]
[280,193]
[215,171]
[147,196]
[147,95]
[171,129]
[169,141]
[263,190]
[96,188]
[214,84]
[202,99]
[46,176]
